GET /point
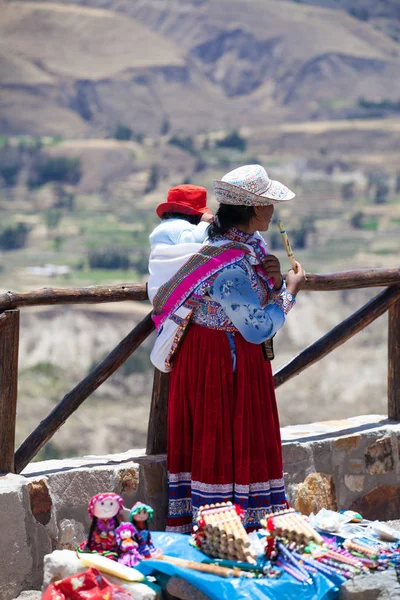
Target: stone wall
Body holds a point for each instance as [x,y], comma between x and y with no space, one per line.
[336,464]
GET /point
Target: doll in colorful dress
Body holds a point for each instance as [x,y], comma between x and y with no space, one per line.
[128,541]
[140,516]
[104,510]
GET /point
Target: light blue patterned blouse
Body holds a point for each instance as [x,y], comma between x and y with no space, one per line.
[178,231]
[233,290]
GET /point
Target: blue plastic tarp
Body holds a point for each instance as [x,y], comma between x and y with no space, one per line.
[218,588]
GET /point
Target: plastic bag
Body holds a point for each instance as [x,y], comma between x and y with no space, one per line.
[89,585]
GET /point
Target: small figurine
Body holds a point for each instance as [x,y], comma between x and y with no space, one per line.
[128,541]
[104,510]
[140,516]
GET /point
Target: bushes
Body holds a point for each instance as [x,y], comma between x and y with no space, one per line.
[14,237]
[233,140]
[9,174]
[61,169]
[109,258]
[125,133]
[185,143]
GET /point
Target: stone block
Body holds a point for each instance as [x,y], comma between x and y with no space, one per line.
[64,563]
[317,491]
[355,483]
[347,443]
[128,479]
[40,500]
[356,466]
[376,586]
[16,561]
[379,457]
[71,534]
[322,453]
[293,453]
[30,595]
[382,503]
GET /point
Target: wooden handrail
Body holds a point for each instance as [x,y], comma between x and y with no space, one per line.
[345,280]
[339,334]
[86,295]
[350,280]
[64,409]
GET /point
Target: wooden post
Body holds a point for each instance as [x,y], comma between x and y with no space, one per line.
[157,429]
[394,362]
[9,341]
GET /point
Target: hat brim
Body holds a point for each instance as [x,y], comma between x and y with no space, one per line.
[181,208]
[228,193]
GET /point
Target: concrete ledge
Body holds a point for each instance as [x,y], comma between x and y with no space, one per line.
[337,464]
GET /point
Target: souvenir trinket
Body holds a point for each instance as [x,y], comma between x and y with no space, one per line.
[140,516]
[103,510]
[220,533]
[128,541]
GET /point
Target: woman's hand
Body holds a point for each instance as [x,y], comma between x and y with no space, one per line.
[272,268]
[295,281]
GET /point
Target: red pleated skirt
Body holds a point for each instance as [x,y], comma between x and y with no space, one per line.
[223,430]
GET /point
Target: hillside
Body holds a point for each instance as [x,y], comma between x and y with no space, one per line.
[76,70]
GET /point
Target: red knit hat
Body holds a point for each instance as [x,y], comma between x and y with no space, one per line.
[187,199]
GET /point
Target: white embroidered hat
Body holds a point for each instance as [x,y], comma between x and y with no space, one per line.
[251,186]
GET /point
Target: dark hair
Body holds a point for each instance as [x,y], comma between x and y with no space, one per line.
[193,219]
[227,216]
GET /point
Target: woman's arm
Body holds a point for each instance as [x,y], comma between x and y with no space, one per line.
[232,289]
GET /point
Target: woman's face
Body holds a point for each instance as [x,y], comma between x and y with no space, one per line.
[263,216]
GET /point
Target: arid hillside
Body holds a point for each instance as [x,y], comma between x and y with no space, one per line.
[77,69]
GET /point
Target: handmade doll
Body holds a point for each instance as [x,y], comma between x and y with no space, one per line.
[128,541]
[104,510]
[140,516]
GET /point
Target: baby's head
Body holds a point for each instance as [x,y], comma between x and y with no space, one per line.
[188,202]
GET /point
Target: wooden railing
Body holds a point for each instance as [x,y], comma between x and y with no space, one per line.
[10,303]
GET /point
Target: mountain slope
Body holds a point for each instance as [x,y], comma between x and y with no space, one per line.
[75,69]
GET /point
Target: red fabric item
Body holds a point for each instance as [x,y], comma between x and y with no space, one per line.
[89,585]
[223,428]
[187,199]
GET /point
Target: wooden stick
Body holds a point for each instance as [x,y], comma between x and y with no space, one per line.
[338,335]
[287,245]
[203,567]
[9,341]
[48,427]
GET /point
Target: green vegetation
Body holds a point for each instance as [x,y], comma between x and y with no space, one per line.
[185,143]
[154,178]
[233,140]
[379,105]
[14,237]
[109,258]
[61,169]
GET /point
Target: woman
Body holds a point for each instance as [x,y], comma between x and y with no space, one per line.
[223,428]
